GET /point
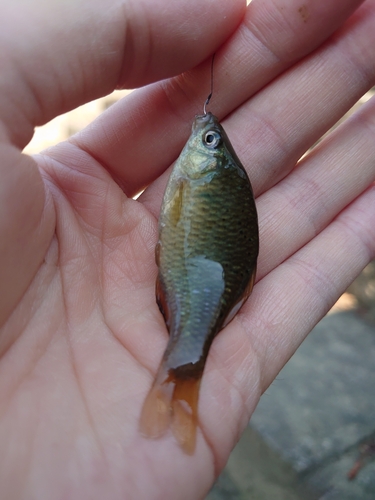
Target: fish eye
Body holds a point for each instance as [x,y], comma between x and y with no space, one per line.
[212,139]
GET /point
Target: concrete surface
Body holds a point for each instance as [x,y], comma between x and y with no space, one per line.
[324,399]
[306,433]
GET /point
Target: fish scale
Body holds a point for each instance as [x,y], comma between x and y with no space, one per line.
[206,254]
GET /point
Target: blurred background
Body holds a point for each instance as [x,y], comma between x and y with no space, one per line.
[313,433]
[66,125]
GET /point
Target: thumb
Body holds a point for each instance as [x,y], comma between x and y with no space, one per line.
[59,54]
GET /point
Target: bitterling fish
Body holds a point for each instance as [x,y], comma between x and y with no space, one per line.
[206,255]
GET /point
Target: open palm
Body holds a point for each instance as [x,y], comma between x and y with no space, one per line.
[81,335]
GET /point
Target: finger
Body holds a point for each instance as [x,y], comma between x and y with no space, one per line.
[73,52]
[320,272]
[284,307]
[336,172]
[272,131]
[159,118]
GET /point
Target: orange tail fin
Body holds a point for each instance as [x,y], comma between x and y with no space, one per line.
[172,402]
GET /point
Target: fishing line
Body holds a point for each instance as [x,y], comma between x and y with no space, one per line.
[212,86]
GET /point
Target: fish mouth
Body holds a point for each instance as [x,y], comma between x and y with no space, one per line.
[202,121]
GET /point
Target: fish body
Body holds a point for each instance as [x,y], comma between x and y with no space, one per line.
[206,255]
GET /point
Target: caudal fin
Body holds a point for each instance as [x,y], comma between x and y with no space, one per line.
[172,402]
[185,413]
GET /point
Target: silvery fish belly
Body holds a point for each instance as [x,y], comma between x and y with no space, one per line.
[206,254]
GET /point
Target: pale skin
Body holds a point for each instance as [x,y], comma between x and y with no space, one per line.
[81,336]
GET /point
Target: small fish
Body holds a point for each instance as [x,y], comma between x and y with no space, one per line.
[206,255]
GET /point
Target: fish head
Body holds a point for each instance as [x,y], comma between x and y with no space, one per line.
[206,148]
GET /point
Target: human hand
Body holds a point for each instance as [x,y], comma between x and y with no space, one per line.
[81,335]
